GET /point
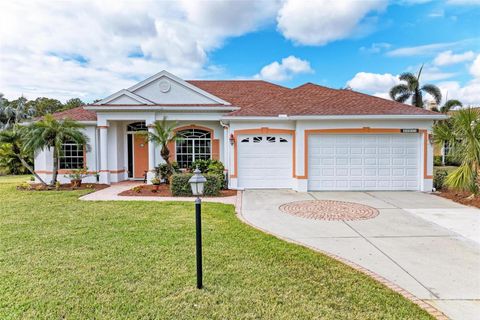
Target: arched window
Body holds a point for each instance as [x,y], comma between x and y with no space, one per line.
[137,126]
[194,144]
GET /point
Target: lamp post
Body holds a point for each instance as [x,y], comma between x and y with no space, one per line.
[197,182]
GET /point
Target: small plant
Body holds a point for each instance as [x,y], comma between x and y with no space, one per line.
[76,177]
[40,187]
[181,187]
[32,178]
[57,185]
[155,181]
[437,161]
[24,186]
[137,189]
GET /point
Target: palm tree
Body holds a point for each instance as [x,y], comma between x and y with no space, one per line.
[14,138]
[462,132]
[412,89]
[15,111]
[449,104]
[163,134]
[52,133]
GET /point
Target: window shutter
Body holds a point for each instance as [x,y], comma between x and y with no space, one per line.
[216,149]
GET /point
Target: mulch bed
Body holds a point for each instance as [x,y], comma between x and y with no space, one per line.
[163,191]
[460,197]
[63,187]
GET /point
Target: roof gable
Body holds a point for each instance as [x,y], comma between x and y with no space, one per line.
[163,88]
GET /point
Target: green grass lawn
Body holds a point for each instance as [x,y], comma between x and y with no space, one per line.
[65,258]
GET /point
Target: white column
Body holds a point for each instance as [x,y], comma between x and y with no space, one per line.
[151,158]
[103,172]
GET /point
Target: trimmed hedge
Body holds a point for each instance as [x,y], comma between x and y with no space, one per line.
[180,187]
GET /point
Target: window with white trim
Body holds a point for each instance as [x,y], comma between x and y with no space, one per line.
[194,144]
[72,156]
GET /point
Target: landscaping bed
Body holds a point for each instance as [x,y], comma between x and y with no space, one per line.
[164,191]
[61,187]
[460,197]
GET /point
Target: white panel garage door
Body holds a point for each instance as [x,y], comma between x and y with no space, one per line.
[264,161]
[364,162]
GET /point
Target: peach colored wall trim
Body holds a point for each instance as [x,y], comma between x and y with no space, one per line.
[64,171]
[263,130]
[364,130]
[425,154]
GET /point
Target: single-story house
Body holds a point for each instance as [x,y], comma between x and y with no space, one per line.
[267,136]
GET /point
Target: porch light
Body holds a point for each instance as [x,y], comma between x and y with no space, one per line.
[197,182]
[431,140]
[232,139]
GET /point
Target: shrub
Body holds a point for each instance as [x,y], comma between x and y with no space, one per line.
[208,166]
[137,189]
[179,185]
[452,161]
[164,172]
[437,160]
[439,179]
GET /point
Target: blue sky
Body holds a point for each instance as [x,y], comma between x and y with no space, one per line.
[93,48]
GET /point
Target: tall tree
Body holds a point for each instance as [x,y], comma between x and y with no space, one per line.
[411,89]
[14,139]
[43,106]
[16,111]
[73,103]
[462,132]
[51,133]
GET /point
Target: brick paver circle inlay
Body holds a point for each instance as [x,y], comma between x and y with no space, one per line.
[329,210]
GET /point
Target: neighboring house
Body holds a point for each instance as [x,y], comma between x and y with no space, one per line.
[268,136]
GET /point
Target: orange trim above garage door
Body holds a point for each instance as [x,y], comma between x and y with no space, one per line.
[263,130]
[364,130]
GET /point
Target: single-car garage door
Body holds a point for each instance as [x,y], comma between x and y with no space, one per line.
[264,161]
[364,162]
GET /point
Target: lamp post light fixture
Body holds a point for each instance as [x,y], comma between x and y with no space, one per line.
[197,183]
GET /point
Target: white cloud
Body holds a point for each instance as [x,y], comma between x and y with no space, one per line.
[463,2]
[448,58]
[318,22]
[373,82]
[92,48]
[475,67]
[468,94]
[421,50]
[376,47]
[284,70]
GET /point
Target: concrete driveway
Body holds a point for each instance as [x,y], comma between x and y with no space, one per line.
[425,244]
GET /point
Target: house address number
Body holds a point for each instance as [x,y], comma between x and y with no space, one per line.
[409,130]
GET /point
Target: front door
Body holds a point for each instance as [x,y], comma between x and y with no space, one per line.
[140,156]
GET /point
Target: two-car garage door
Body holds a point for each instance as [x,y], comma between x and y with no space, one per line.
[363,162]
[335,161]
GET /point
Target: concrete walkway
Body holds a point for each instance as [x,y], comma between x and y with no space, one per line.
[425,244]
[111,194]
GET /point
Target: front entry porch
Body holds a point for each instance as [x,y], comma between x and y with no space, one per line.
[124,152]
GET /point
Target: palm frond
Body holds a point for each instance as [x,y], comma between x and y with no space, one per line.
[399,90]
[434,91]
[449,104]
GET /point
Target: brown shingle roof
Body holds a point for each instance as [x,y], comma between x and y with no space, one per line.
[261,98]
[78,114]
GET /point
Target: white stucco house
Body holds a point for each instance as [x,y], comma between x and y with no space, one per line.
[268,136]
